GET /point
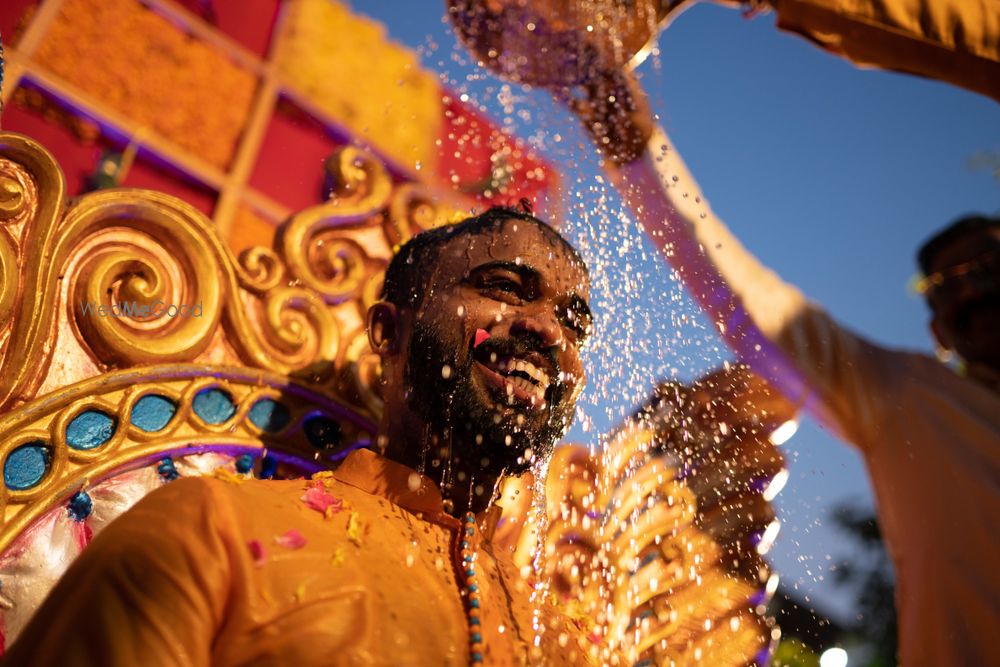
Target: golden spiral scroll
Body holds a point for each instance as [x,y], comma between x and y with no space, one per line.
[33,189]
[413,209]
[324,261]
[124,277]
[150,250]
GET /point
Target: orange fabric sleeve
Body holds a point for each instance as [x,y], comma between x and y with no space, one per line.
[150,590]
[957,41]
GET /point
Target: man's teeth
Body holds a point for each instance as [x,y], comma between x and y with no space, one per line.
[524,385]
[536,373]
[534,387]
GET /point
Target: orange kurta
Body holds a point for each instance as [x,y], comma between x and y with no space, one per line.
[180,580]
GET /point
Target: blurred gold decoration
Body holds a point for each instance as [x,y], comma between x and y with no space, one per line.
[345,63]
[656,542]
[142,65]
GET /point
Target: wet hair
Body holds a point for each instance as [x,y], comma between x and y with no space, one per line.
[963,226]
[409,269]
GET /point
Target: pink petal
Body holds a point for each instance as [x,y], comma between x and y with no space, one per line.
[292,539]
[257,552]
[481,336]
[322,501]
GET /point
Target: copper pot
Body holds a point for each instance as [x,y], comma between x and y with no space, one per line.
[559,43]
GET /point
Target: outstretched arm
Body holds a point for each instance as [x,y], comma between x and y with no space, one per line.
[770,325]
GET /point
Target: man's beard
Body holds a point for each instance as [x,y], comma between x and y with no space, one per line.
[455,409]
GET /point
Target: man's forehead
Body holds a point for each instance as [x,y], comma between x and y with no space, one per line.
[518,241]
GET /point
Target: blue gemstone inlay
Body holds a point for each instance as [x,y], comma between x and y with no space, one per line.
[268,466]
[153,412]
[474,604]
[269,415]
[90,429]
[80,506]
[26,466]
[167,470]
[322,432]
[473,621]
[214,406]
[476,638]
[244,464]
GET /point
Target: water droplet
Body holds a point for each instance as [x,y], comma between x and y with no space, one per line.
[413,481]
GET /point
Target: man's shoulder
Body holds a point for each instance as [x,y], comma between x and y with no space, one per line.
[214,494]
[213,486]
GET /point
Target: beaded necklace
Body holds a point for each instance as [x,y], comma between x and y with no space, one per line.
[467,567]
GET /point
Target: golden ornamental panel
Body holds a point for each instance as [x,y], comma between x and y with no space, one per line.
[121,278]
[194,409]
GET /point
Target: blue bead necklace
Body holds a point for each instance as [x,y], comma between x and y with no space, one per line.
[467,563]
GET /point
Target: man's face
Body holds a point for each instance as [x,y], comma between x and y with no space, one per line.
[965,297]
[512,395]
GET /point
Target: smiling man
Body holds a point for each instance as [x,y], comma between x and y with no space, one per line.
[388,559]
[479,335]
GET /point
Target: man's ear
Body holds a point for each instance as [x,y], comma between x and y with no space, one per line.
[383,328]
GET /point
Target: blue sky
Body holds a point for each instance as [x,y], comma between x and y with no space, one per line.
[832,175]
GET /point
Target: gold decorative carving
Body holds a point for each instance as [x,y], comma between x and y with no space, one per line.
[38,201]
[16,194]
[116,394]
[412,211]
[148,249]
[105,282]
[8,279]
